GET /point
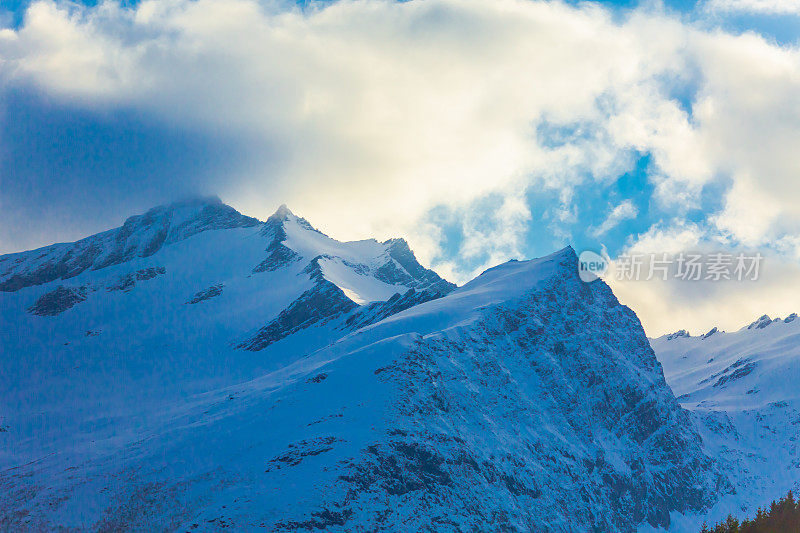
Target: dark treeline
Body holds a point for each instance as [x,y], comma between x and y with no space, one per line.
[781,516]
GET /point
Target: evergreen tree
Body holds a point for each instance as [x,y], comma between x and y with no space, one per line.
[782,516]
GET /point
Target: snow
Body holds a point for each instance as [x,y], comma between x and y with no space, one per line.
[361,288]
[694,366]
[490,407]
[742,389]
[466,303]
[153,348]
[311,243]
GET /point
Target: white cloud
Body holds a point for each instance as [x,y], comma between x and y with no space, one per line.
[670,238]
[373,112]
[768,7]
[668,305]
[624,211]
[382,109]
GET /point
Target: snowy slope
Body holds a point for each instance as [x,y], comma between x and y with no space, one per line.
[743,389]
[249,374]
[99,341]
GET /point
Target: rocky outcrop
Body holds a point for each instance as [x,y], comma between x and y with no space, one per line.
[377,311]
[762,322]
[128,281]
[58,300]
[318,305]
[410,273]
[678,334]
[205,294]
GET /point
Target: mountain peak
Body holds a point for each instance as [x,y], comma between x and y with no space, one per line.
[762,322]
[567,250]
[188,202]
[140,236]
[275,223]
[398,242]
[352,332]
[677,335]
[282,213]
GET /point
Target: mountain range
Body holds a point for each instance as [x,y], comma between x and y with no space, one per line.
[199,369]
[741,389]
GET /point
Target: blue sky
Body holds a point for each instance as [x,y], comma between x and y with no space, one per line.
[777,26]
[481,132]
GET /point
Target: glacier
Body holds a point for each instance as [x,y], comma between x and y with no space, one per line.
[198,369]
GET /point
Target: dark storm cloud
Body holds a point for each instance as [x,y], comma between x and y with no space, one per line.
[67,171]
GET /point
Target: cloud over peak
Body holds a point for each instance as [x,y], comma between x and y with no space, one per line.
[370,115]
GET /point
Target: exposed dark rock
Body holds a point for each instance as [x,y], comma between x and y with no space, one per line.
[322,303]
[297,452]
[58,300]
[320,520]
[128,281]
[314,270]
[762,322]
[523,406]
[737,370]
[678,334]
[278,255]
[205,294]
[412,274]
[377,311]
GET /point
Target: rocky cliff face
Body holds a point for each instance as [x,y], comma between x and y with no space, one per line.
[545,411]
[268,376]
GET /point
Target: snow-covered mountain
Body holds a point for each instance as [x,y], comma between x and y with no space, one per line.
[743,390]
[197,369]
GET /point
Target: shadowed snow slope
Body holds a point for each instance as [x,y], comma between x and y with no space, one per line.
[263,374]
[742,390]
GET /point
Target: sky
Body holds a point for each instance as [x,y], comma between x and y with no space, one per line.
[479,131]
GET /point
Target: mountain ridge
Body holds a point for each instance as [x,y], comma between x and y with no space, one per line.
[740,389]
[337,386]
[759,323]
[139,236]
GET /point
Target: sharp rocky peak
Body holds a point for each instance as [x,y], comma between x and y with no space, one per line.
[274,225]
[282,213]
[761,322]
[764,320]
[681,333]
